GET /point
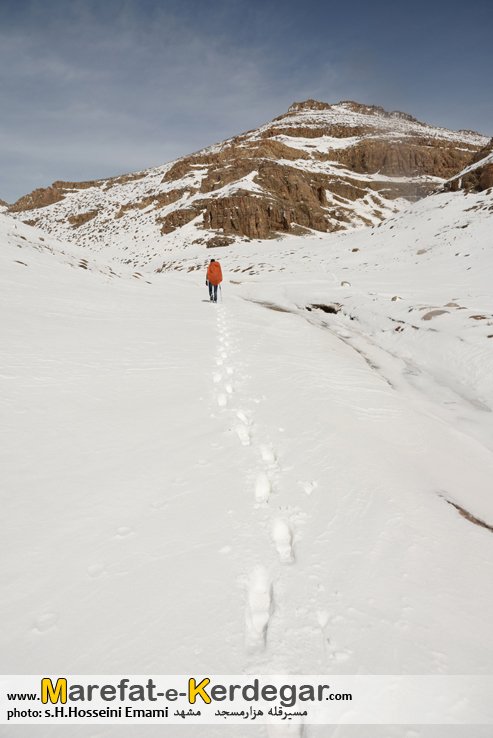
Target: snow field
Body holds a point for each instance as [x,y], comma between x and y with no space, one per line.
[229,488]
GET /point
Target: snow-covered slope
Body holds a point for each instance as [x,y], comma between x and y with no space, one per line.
[324,168]
[165,458]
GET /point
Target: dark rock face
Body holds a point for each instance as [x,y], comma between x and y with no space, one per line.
[486,177]
[177,218]
[404,159]
[249,216]
[480,178]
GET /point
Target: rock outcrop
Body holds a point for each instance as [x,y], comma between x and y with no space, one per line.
[78,220]
[405,159]
[177,218]
[246,216]
[478,176]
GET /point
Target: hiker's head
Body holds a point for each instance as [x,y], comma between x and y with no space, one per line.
[212,260]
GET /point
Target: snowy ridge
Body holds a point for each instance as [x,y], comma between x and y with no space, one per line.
[135,220]
[342,114]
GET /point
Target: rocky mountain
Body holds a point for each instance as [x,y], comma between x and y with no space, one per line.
[319,167]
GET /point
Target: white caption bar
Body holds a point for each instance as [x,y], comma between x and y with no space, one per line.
[212,699]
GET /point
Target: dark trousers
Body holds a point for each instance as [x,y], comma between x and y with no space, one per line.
[211,287]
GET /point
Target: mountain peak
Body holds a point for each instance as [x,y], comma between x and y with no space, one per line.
[354,107]
[319,167]
[308,105]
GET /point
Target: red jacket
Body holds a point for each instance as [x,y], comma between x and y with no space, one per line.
[214,273]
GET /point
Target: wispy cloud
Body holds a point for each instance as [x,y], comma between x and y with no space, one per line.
[92,89]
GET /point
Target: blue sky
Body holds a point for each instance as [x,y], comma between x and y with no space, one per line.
[95,88]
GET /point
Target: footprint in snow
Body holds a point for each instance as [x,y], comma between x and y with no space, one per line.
[263,488]
[224,355]
[222,400]
[243,435]
[123,532]
[219,362]
[282,533]
[259,607]
[268,455]
[340,656]
[229,389]
[95,570]
[241,415]
[229,370]
[217,377]
[308,487]
[45,622]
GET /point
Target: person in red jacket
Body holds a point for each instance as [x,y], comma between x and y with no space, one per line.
[214,277]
